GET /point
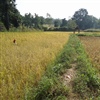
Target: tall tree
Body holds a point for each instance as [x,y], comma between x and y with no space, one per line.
[28,20]
[90,22]
[8,13]
[37,21]
[64,23]
[71,24]
[98,23]
[4,5]
[57,23]
[80,17]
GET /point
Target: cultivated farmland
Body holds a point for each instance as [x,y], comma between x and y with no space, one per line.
[22,64]
[92,46]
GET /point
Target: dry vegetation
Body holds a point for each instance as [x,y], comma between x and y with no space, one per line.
[22,64]
[92,46]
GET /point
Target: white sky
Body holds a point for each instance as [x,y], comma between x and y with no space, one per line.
[58,8]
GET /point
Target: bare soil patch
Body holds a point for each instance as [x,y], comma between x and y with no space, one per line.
[68,78]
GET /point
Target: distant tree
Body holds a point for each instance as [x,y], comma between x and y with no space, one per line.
[71,24]
[57,23]
[80,17]
[28,20]
[49,21]
[90,22]
[95,22]
[98,23]
[31,21]
[42,20]
[48,15]
[64,23]
[37,21]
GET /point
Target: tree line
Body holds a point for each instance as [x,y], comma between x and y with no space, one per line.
[10,17]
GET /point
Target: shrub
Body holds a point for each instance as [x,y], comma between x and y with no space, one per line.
[92,30]
[2,27]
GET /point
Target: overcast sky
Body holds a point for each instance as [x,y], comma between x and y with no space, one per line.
[58,8]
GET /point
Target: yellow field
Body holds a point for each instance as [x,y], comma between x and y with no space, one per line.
[92,46]
[22,64]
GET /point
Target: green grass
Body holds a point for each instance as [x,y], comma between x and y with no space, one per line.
[96,34]
[92,30]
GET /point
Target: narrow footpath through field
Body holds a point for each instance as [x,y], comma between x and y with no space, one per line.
[68,78]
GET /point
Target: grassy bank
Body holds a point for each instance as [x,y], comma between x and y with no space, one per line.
[93,34]
[86,83]
[92,46]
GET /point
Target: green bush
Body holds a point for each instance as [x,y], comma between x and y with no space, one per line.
[89,34]
[48,89]
[2,27]
[92,30]
[59,29]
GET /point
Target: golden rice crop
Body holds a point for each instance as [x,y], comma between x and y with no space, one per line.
[92,46]
[22,64]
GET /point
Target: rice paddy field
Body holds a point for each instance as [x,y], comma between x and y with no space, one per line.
[22,64]
[92,46]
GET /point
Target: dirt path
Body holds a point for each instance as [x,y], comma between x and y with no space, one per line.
[68,78]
